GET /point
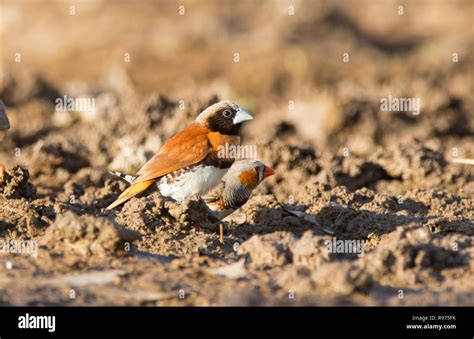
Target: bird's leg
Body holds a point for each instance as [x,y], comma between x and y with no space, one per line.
[221,233]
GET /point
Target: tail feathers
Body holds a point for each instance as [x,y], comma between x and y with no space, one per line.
[126,177]
[130,192]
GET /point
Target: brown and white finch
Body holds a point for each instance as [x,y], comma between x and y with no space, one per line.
[236,187]
[188,164]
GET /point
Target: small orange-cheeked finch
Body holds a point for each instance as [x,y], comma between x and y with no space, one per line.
[188,164]
[236,187]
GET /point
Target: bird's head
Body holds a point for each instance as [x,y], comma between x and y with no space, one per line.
[249,173]
[224,117]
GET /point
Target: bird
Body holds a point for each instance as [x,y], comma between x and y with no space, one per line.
[4,125]
[189,163]
[236,187]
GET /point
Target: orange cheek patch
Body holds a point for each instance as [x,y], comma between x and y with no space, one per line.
[249,178]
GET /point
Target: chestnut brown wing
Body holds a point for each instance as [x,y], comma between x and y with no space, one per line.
[186,148]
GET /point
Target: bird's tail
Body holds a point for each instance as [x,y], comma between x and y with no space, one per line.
[128,178]
[130,192]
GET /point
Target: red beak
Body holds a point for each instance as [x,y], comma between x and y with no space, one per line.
[267,171]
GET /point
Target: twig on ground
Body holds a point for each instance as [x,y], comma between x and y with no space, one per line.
[463,161]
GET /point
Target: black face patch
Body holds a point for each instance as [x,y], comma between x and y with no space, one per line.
[222,122]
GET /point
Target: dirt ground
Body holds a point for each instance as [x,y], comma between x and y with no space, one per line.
[345,169]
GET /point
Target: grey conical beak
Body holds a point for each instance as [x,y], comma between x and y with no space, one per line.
[241,116]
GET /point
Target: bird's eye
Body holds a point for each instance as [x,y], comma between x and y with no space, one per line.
[227,113]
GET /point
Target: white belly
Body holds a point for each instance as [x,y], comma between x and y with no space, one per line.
[197,182]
